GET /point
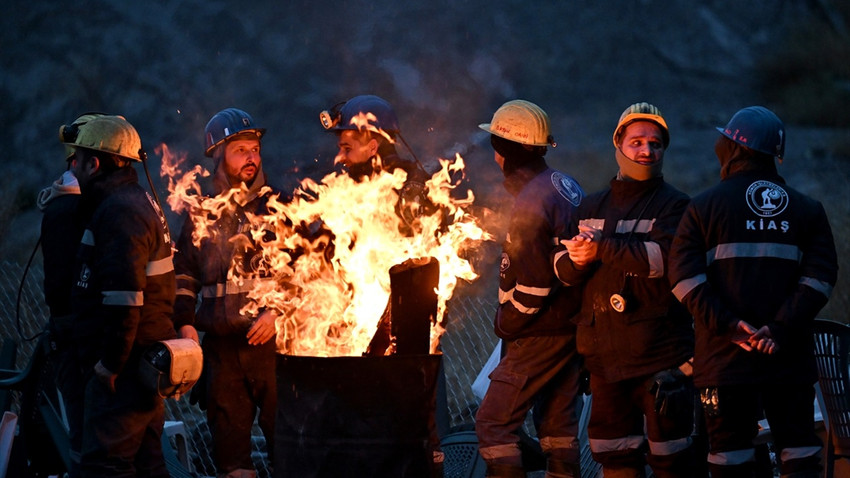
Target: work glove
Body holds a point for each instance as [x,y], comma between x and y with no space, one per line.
[671,391]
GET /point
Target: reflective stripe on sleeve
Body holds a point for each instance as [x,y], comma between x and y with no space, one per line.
[626,226]
[685,286]
[765,250]
[558,256]
[505,295]
[522,308]
[124,297]
[159,267]
[656,259]
[824,288]
[535,291]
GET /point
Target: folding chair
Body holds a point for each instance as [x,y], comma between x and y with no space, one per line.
[832,347]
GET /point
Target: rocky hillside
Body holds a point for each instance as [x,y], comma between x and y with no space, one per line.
[445,65]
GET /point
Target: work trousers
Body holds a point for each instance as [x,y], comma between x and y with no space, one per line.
[732,414]
[542,372]
[623,416]
[240,382]
[71,380]
[122,430]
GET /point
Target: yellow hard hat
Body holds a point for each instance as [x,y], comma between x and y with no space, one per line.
[641,112]
[68,132]
[110,134]
[522,122]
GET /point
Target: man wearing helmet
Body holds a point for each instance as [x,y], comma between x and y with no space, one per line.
[367,130]
[239,350]
[754,261]
[122,296]
[539,366]
[635,337]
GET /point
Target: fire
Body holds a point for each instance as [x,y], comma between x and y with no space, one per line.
[326,266]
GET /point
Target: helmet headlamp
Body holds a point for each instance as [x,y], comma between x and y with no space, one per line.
[330,118]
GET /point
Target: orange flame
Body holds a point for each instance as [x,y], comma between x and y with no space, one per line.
[326,265]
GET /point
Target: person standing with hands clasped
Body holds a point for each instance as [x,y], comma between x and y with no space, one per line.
[754,261]
[635,337]
[239,349]
[539,367]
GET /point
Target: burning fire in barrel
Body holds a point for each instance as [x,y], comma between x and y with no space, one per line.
[348,281]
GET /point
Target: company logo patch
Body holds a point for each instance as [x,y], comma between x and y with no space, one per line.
[766,199]
[85,275]
[505,263]
[567,187]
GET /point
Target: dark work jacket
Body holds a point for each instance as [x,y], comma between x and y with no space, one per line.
[531,300]
[752,248]
[202,271]
[123,293]
[60,239]
[655,333]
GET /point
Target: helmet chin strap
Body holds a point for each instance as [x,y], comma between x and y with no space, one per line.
[631,170]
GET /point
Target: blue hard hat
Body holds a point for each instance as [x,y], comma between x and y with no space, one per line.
[757,128]
[226,123]
[339,117]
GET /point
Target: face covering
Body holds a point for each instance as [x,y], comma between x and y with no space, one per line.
[634,171]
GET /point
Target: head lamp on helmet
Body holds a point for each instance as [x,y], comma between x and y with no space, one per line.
[364,112]
[522,122]
[757,128]
[226,124]
[641,112]
[68,132]
[109,134]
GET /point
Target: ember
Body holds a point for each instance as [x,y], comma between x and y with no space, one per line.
[332,248]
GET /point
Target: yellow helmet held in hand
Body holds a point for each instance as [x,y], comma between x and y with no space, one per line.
[641,112]
[110,134]
[522,122]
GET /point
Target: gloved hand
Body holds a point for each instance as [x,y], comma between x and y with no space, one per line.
[671,391]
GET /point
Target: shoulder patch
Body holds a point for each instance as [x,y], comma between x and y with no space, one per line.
[766,199]
[505,263]
[567,187]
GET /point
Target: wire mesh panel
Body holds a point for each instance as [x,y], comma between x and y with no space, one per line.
[466,345]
